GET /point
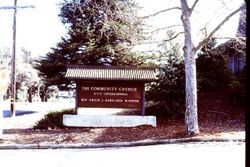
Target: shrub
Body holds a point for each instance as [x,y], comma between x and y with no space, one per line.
[238,89]
[53,119]
[168,93]
[212,72]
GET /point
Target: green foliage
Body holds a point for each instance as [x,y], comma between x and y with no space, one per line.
[168,93]
[212,68]
[100,32]
[53,120]
[212,72]
[238,89]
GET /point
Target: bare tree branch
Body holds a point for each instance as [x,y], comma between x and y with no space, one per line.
[216,29]
[163,28]
[164,40]
[175,36]
[16,7]
[161,11]
[193,6]
[241,38]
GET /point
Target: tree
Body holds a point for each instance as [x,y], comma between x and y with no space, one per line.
[27,77]
[168,93]
[191,117]
[190,52]
[100,32]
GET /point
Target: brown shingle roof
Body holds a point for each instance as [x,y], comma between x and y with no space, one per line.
[110,73]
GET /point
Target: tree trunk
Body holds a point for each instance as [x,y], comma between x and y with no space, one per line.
[43,93]
[30,95]
[191,116]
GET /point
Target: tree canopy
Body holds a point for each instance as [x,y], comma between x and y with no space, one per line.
[100,32]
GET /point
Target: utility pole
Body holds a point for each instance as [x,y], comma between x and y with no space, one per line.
[13,76]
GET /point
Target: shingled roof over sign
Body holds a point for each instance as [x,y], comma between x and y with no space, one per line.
[110,73]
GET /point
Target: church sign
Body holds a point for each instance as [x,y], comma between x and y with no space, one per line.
[110,87]
[110,94]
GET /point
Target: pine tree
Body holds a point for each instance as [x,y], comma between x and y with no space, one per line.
[100,32]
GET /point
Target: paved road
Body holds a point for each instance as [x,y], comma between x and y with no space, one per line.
[193,154]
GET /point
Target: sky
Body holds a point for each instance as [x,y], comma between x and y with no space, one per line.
[40,28]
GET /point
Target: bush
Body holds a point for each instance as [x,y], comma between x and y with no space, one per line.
[212,72]
[168,93]
[238,89]
[53,119]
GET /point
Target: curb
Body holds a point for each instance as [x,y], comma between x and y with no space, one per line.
[115,144]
